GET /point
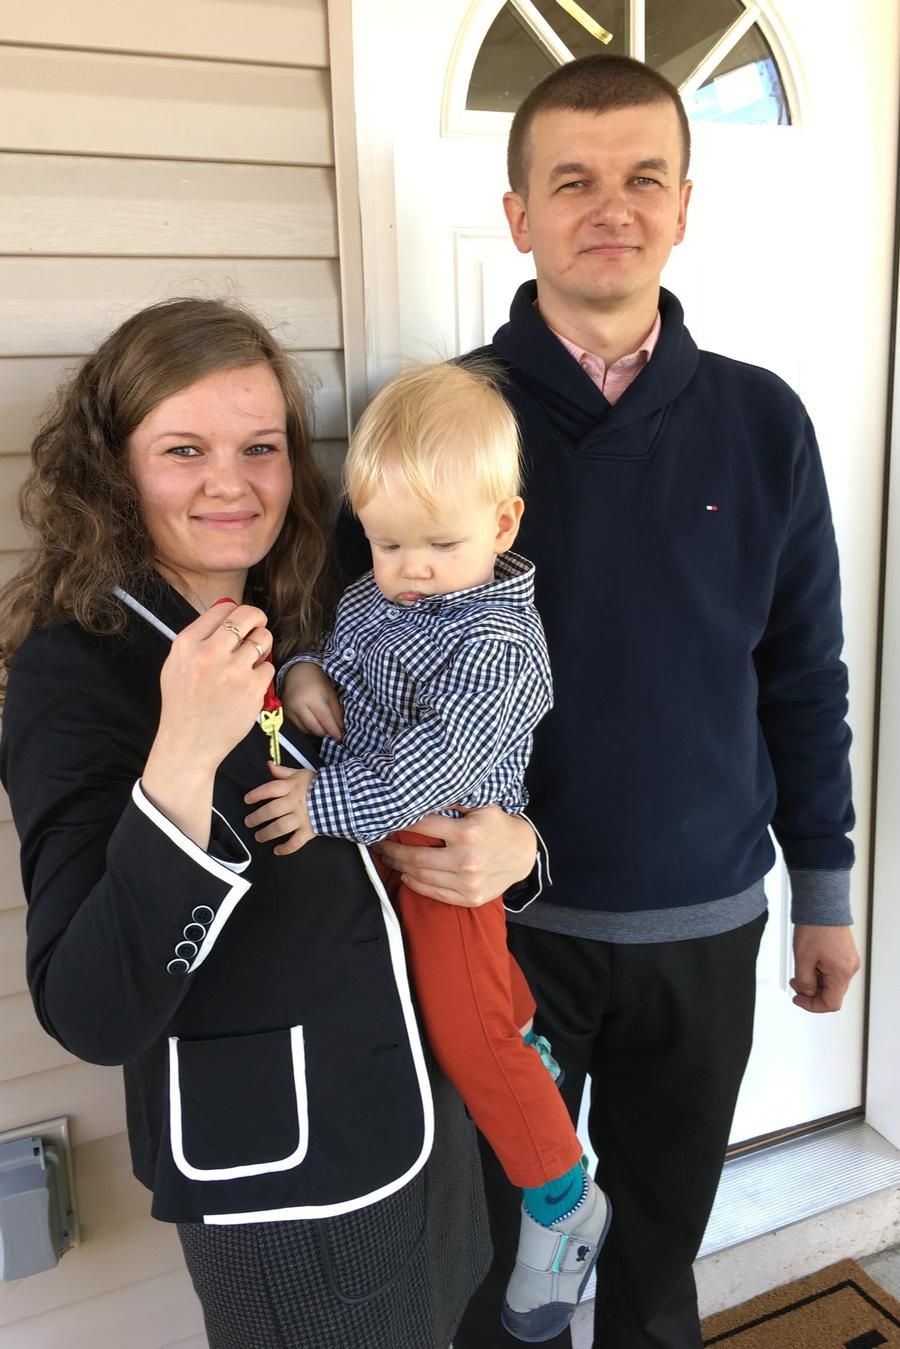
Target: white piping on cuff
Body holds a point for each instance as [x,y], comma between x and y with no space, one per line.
[298,1060]
[237,886]
[237,867]
[542,863]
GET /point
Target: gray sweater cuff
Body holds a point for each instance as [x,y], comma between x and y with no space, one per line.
[821,897]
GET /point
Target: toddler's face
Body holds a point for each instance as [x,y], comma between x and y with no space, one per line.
[415,553]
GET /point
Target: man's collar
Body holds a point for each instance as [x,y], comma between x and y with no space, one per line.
[641,353]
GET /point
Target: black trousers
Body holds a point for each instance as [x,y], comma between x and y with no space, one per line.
[665,1031]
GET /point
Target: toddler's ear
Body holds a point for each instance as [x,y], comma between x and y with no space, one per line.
[509,517]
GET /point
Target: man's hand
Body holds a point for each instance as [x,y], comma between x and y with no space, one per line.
[484,853]
[284,811]
[310,700]
[825,960]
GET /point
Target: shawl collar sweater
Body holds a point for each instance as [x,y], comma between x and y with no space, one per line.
[686,575]
[687,578]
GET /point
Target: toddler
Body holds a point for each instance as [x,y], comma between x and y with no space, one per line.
[439,662]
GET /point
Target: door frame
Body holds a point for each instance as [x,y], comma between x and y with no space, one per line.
[364,173]
[882,1078]
[370,290]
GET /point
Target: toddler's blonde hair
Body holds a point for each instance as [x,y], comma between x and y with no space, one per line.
[441,427]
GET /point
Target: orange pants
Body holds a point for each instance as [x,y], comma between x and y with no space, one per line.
[474,999]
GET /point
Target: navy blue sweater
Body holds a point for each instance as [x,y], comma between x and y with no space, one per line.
[687,578]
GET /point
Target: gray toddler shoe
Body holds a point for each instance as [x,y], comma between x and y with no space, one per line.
[553,1266]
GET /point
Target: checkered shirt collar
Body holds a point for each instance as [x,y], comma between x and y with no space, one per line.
[512,587]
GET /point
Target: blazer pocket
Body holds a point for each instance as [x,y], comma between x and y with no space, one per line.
[238,1105]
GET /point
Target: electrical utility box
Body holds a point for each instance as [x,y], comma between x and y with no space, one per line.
[36,1225]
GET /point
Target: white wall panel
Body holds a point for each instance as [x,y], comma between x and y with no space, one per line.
[324,374]
[94,103]
[25,388]
[9,563]
[121,1245]
[12,951]
[68,204]
[13,468]
[140,1315]
[26,1046]
[11,895]
[92,1097]
[57,306]
[293,32]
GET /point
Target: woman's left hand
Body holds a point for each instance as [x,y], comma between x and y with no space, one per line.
[484,853]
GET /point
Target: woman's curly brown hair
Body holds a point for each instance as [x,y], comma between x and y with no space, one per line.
[81,503]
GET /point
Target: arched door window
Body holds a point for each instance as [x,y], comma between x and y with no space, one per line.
[714,51]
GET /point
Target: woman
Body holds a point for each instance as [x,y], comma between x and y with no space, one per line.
[278,1100]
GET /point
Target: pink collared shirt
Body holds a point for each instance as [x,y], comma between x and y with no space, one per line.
[613,380]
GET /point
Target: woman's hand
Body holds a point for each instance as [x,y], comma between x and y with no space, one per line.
[213,684]
[310,700]
[484,853]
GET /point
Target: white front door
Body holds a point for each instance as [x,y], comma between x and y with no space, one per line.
[787,264]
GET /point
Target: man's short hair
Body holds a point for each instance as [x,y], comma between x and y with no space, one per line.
[591,84]
[440,428]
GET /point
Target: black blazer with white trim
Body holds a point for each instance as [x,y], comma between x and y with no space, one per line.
[259,1003]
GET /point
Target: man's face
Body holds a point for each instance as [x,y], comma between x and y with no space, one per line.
[605,205]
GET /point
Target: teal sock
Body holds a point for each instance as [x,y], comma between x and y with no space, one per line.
[542,1046]
[557,1199]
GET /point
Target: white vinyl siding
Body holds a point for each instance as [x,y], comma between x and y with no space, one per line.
[183,147]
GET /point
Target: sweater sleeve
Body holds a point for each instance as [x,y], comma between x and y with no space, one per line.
[468,717]
[803,702]
[122,907]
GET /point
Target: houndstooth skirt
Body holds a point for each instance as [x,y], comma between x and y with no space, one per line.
[396,1275]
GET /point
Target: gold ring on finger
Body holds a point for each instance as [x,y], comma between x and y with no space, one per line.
[262,654]
[233,627]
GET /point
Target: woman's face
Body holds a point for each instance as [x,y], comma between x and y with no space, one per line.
[214,477]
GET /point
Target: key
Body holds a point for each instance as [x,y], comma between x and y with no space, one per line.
[271,719]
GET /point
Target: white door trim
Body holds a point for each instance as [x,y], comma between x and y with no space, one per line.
[883,1079]
[350,244]
[364,168]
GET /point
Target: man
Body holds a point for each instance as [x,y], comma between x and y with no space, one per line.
[687,578]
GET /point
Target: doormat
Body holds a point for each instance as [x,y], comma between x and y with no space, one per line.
[838,1308]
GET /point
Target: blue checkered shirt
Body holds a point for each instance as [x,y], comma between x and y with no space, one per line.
[440,701]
